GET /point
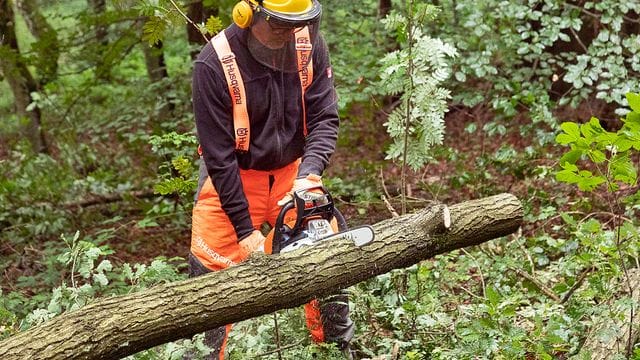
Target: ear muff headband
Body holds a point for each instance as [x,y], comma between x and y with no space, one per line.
[242,14]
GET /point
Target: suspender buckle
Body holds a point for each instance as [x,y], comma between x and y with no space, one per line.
[303,46]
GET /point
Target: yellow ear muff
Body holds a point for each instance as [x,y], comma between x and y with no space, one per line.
[242,14]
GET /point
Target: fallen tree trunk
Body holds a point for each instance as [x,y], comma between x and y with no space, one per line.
[119,326]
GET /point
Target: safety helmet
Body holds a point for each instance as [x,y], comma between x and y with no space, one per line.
[272,26]
[293,13]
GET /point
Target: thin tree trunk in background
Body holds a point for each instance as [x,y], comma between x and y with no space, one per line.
[198,13]
[46,36]
[384,7]
[157,71]
[19,78]
[98,7]
[154,59]
[101,30]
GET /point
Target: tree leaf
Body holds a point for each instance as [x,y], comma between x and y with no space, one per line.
[101,279]
[623,170]
[214,25]
[571,157]
[492,295]
[597,156]
[153,30]
[571,128]
[564,139]
[567,176]
[588,182]
[592,128]
[634,101]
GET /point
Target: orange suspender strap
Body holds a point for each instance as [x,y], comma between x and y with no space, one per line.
[236,90]
[305,67]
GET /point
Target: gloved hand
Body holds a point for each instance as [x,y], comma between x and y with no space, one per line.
[312,180]
[253,242]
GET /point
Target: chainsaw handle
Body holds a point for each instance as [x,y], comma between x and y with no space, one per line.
[278,228]
[321,206]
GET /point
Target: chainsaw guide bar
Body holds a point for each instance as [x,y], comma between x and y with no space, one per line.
[360,235]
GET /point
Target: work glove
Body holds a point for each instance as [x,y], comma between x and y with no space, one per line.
[310,181]
[253,242]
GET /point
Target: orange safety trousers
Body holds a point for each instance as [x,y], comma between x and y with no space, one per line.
[214,243]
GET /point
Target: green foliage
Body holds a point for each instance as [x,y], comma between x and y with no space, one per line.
[90,275]
[30,182]
[355,66]
[608,251]
[534,54]
[213,26]
[111,130]
[154,29]
[416,73]
[164,14]
[81,257]
[257,338]
[610,152]
[175,351]
[179,175]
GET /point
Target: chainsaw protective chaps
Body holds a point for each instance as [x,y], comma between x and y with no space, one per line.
[214,246]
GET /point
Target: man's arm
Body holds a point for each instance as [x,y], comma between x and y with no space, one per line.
[212,109]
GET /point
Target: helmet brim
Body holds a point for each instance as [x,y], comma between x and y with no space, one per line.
[294,20]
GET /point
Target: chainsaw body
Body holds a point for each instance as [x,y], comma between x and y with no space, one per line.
[316,219]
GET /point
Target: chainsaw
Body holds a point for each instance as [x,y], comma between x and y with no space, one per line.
[316,220]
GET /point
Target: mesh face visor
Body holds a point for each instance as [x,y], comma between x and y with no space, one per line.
[271,39]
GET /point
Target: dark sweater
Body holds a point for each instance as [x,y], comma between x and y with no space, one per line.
[274,105]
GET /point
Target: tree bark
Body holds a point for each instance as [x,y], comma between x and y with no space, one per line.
[100,27]
[46,38]
[384,7]
[198,13]
[154,59]
[119,326]
[98,8]
[19,78]
[157,71]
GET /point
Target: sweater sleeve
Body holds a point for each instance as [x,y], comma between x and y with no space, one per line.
[214,124]
[322,114]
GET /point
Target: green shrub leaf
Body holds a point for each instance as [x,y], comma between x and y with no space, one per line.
[634,101]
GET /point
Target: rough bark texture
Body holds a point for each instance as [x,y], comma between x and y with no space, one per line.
[119,326]
[607,339]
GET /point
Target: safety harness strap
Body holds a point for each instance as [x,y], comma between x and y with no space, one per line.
[305,67]
[236,85]
[236,90]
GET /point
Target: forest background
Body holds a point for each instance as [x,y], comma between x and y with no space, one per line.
[440,102]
